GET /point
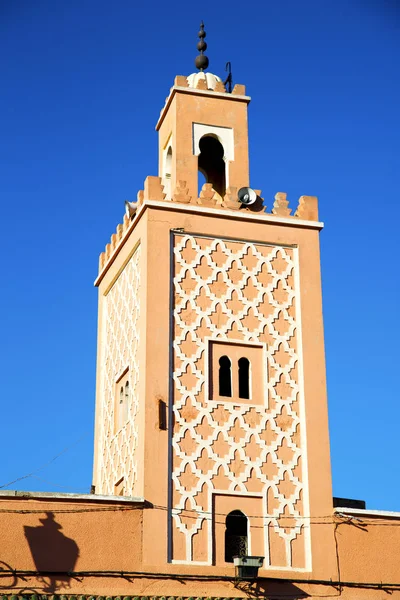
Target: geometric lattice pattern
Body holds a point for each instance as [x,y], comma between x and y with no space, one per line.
[117,449]
[244,292]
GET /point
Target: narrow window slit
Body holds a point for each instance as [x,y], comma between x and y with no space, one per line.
[244,378]
[225,377]
[162,415]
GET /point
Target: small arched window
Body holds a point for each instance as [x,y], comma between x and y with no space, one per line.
[244,378]
[168,173]
[211,163]
[225,377]
[236,535]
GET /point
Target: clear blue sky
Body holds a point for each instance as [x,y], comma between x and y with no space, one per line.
[82,84]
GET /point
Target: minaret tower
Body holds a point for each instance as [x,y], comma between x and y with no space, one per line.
[211,395]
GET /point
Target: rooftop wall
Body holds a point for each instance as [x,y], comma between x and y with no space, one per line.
[65,545]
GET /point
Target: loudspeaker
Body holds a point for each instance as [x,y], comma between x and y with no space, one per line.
[247,196]
[130,209]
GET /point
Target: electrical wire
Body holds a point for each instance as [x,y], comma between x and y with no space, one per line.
[333,519]
[45,464]
[63,487]
[377,585]
[139,505]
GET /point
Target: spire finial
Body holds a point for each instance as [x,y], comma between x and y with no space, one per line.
[201,61]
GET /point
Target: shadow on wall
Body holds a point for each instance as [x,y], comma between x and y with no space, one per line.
[52,552]
[271,588]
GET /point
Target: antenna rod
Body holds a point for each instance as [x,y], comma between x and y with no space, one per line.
[228,80]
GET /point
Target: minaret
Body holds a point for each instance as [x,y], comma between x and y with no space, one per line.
[211,395]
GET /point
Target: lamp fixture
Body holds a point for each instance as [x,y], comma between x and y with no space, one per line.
[246,567]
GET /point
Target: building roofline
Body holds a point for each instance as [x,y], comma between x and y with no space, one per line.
[70,496]
[364,512]
[197,92]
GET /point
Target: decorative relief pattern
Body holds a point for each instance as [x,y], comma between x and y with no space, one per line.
[121,343]
[228,290]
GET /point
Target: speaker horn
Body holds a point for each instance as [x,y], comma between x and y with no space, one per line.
[130,209]
[247,196]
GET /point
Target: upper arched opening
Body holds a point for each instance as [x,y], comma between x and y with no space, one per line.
[211,162]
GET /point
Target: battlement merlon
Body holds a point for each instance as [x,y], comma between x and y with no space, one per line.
[209,201]
[181,85]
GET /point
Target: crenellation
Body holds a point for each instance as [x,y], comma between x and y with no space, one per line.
[230,200]
[181,193]
[209,197]
[140,197]
[125,223]
[102,258]
[239,90]
[259,205]
[307,208]
[281,205]
[202,84]
[219,87]
[181,81]
[153,189]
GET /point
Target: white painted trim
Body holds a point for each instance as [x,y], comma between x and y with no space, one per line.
[236,214]
[224,135]
[363,512]
[303,413]
[208,340]
[69,496]
[209,236]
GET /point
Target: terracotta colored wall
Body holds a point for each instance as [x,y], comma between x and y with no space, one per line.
[160,222]
[368,548]
[93,537]
[121,344]
[62,536]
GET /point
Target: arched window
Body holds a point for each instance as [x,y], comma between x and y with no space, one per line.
[236,534]
[225,377]
[244,378]
[167,173]
[126,402]
[211,163]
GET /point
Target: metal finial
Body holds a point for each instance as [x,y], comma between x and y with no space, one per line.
[228,80]
[201,61]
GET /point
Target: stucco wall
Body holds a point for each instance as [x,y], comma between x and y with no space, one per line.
[62,535]
[94,547]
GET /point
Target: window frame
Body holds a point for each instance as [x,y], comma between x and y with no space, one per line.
[256,353]
[121,409]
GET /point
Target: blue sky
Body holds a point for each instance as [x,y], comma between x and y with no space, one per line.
[82,84]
